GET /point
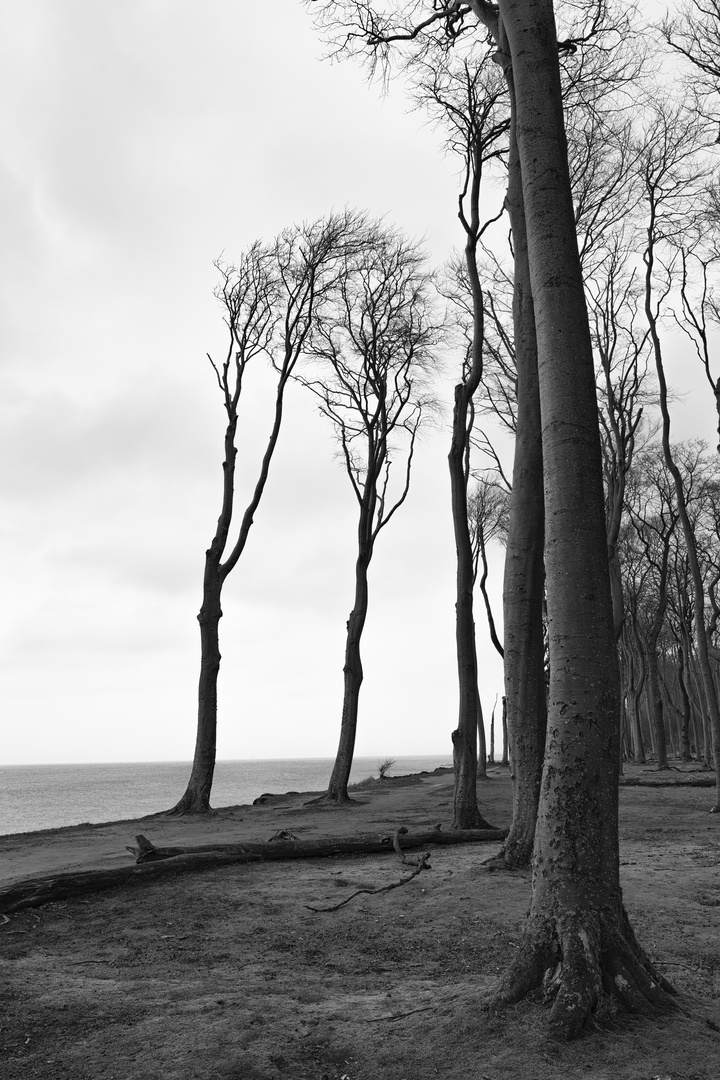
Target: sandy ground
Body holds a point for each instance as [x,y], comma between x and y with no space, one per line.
[226,974]
[102,846]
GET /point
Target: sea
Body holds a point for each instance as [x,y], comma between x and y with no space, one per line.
[34,797]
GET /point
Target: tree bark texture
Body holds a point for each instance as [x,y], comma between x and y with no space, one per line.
[577,938]
[337,791]
[524,580]
[712,702]
[634,682]
[467,814]
[655,704]
[470,719]
[196,799]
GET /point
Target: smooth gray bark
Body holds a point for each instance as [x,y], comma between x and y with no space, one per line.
[577,926]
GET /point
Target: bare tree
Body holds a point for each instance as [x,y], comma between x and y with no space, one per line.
[577,937]
[488,503]
[671,170]
[269,302]
[374,354]
[654,517]
[622,351]
[700,302]
[467,99]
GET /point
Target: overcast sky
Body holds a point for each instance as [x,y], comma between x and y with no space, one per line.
[139,140]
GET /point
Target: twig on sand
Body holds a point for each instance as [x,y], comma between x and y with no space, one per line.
[418,866]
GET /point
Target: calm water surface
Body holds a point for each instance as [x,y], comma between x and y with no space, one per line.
[48,796]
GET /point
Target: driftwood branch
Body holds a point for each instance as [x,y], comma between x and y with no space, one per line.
[154,862]
[421,865]
[418,864]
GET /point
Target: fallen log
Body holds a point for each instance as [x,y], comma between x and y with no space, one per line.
[287,846]
[33,892]
[647,781]
[153,862]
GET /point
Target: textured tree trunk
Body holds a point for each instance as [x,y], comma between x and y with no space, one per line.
[577,933]
[655,703]
[467,815]
[712,703]
[524,580]
[352,681]
[482,754]
[685,753]
[491,755]
[196,799]
[633,689]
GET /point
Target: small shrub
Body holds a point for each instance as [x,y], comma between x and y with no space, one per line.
[385,766]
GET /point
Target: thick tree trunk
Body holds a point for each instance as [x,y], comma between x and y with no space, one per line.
[577,933]
[337,791]
[524,580]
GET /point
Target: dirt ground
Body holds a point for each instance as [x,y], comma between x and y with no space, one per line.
[225,974]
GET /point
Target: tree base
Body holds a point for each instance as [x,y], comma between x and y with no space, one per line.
[333,799]
[471,821]
[190,805]
[579,963]
[501,862]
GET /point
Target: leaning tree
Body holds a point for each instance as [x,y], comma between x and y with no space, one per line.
[373,349]
[466,98]
[269,300]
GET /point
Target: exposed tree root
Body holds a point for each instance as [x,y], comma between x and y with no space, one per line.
[579,961]
[470,818]
[501,863]
[333,799]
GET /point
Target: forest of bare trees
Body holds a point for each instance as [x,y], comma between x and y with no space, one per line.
[589,221]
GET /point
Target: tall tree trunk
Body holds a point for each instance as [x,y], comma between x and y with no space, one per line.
[352,681]
[196,799]
[577,928]
[685,754]
[482,754]
[466,812]
[655,703]
[491,755]
[701,639]
[524,579]
[635,680]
